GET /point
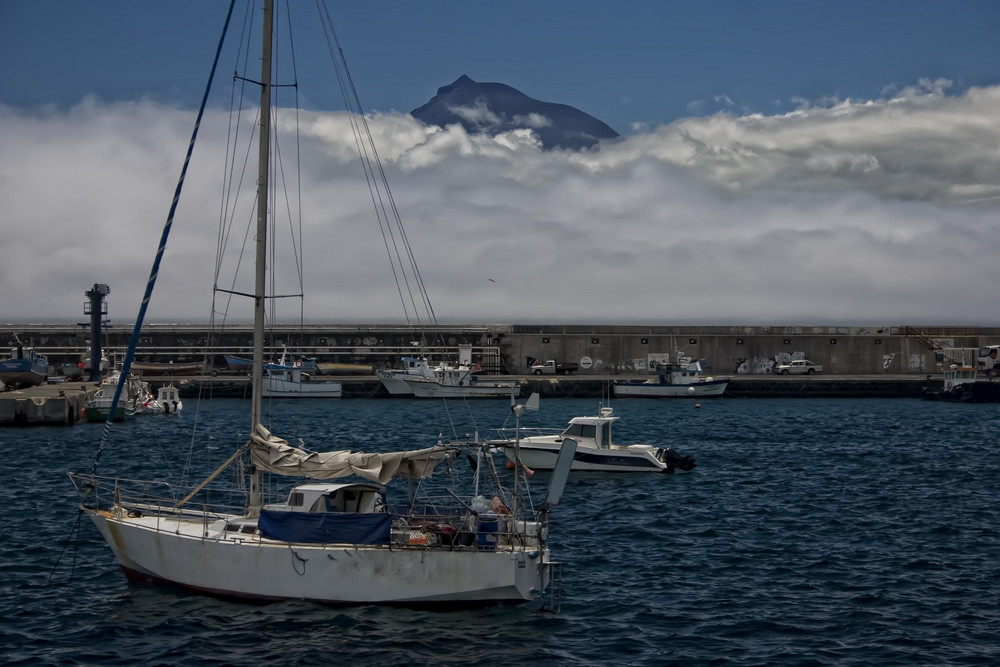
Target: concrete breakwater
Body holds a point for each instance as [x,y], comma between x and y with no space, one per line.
[506,349]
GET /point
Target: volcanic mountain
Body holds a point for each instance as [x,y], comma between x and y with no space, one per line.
[492,108]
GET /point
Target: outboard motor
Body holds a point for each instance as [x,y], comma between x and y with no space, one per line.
[675,460]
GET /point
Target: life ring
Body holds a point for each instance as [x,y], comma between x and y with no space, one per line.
[298,364]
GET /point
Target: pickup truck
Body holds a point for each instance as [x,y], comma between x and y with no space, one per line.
[798,366]
[552,367]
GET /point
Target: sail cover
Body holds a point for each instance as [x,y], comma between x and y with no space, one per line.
[275,455]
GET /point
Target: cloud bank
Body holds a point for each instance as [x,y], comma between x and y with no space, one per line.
[846,211]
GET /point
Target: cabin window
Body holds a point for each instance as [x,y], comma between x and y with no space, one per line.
[296,499]
[581,431]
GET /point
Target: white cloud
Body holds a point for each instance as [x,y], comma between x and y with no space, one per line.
[478,115]
[848,211]
[533,120]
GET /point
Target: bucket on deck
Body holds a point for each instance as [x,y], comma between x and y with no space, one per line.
[487,533]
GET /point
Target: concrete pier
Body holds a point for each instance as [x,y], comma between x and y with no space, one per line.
[59,404]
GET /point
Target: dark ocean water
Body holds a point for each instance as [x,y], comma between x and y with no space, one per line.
[812,532]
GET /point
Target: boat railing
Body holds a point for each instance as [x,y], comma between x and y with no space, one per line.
[484,524]
[507,435]
[154,497]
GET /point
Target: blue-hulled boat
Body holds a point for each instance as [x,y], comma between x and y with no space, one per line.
[24,368]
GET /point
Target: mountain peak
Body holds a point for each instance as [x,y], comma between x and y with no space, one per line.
[459,82]
[492,108]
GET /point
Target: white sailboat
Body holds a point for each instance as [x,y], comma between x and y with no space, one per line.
[326,541]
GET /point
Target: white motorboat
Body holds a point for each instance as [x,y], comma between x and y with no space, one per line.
[168,400]
[538,449]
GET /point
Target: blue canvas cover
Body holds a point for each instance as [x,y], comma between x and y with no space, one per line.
[321,528]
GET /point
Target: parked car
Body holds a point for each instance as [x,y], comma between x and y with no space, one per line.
[798,367]
[550,366]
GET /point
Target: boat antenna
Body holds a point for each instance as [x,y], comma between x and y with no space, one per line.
[519,467]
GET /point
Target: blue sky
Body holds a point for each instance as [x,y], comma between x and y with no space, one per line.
[625,63]
[785,163]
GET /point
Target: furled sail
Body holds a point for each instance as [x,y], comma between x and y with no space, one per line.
[275,455]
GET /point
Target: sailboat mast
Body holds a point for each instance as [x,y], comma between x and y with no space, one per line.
[261,256]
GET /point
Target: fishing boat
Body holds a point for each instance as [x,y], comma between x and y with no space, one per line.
[132,401]
[168,368]
[682,379]
[245,365]
[24,367]
[418,378]
[294,382]
[960,383]
[319,540]
[290,378]
[539,448]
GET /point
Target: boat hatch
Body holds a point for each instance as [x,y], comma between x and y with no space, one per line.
[322,498]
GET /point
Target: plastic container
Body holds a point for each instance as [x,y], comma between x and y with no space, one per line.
[487,533]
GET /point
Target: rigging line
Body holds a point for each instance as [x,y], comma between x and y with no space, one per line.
[354,104]
[154,271]
[75,530]
[297,245]
[236,97]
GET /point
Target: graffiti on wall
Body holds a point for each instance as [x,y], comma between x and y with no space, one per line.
[887,360]
[755,366]
[916,363]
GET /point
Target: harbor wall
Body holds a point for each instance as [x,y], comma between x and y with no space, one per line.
[615,350]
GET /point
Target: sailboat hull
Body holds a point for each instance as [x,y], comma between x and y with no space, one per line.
[184,552]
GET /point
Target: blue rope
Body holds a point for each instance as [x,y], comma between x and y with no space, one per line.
[134,342]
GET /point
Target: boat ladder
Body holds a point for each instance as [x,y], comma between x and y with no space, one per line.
[552,601]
